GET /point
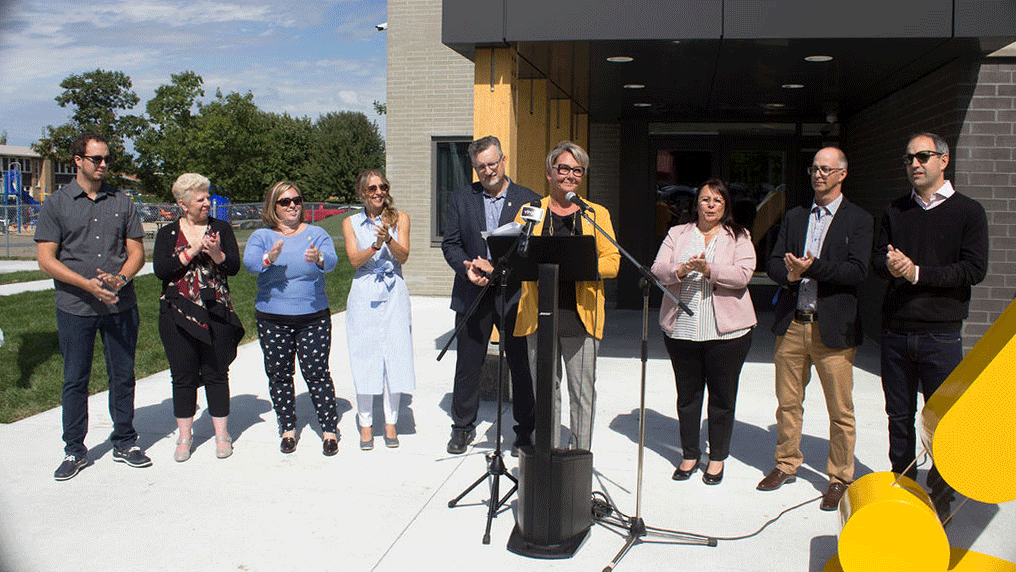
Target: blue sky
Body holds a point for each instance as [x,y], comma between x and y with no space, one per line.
[304,57]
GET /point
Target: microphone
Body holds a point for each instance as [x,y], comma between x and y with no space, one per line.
[533,215]
[576,200]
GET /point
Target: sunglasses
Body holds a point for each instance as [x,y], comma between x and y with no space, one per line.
[921,156]
[286,201]
[98,159]
[373,188]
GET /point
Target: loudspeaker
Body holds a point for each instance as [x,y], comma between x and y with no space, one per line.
[554,511]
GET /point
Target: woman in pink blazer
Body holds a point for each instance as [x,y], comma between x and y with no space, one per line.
[707,264]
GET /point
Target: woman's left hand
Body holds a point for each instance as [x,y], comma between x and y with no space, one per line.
[210,245]
[698,264]
[313,256]
[383,234]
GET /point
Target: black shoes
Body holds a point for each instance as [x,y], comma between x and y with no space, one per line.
[712,478]
[461,438]
[680,475]
[328,447]
[69,467]
[287,445]
[132,456]
[520,442]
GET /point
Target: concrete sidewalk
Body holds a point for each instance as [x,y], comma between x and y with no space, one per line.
[386,509]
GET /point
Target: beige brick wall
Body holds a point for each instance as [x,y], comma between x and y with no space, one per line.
[430,94]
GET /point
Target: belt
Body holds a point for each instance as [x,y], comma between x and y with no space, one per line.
[805,316]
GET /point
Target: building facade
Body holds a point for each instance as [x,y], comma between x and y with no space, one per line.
[665,93]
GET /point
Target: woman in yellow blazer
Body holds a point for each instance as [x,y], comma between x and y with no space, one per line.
[580,308]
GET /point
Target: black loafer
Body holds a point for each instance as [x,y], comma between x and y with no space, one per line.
[329,447]
[461,438]
[680,475]
[712,479]
[288,445]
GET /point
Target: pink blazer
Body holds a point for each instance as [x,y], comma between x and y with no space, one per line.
[729,274]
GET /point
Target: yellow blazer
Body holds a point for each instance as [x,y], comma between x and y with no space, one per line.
[589,296]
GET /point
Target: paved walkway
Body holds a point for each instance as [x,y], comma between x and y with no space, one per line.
[386,510]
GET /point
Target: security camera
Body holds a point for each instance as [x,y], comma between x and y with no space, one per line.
[382,26]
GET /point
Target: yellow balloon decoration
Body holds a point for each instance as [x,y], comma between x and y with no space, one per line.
[969,428]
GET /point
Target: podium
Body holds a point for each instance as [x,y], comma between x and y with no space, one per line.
[555,485]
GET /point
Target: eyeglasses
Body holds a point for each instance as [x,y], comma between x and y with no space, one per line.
[286,201]
[373,188]
[98,159]
[826,171]
[563,169]
[921,156]
[482,167]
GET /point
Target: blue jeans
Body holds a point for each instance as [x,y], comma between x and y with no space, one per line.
[909,361]
[119,333]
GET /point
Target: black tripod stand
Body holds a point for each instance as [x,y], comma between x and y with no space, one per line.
[635,525]
[495,459]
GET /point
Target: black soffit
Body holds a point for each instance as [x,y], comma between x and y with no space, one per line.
[735,80]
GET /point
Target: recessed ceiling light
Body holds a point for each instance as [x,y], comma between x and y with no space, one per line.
[773,105]
[675,41]
[620,59]
[818,58]
[634,86]
[643,104]
[792,85]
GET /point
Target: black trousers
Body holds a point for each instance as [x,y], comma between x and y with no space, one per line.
[716,365]
[471,350]
[193,363]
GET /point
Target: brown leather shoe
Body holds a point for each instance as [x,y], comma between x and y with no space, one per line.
[833,494]
[774,480]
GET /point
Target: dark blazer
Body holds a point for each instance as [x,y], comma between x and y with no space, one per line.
[839,269]
[462,241]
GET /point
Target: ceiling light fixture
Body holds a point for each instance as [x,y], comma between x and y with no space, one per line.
[773,105]
[643,104]
[620,59]
[792,86]
[634,86]
[818,58]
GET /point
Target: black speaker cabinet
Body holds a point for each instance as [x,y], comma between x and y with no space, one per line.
[554,510]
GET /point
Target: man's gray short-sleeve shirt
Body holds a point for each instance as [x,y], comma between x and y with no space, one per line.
[89,235]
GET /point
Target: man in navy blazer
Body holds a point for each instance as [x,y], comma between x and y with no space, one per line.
[820,258]
[489,203]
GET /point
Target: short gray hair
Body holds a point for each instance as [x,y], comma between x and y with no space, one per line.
[567,147]
[482,144]
[187,183]
[940,145]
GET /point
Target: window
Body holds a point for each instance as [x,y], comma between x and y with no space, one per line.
[451,170]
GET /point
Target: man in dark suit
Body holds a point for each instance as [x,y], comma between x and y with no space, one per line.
[819,259]
[492,201]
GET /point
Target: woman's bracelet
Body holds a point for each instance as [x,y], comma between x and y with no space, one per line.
[375,248]
[266,260]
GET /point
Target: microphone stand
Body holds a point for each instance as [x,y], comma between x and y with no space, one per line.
[495,459]
[635,525]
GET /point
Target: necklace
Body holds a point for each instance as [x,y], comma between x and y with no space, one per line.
[288,231]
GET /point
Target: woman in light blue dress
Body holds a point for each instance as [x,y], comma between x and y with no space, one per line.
[378,323]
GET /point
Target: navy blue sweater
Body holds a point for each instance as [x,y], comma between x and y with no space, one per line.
[949,244]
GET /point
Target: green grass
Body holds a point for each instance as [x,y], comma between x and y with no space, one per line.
[31,368]
[22,276]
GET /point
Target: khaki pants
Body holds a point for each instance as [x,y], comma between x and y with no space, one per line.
[795,353]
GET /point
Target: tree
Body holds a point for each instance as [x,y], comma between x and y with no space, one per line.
[98,98]
[164,146]
[343,144]
[380,108]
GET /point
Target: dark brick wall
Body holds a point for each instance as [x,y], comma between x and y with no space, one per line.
[973,105]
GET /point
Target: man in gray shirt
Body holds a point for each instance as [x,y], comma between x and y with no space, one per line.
[88,239]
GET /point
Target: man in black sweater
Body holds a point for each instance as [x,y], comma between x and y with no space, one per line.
[932,248]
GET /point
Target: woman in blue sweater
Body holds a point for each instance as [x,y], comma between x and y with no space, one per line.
[290,259]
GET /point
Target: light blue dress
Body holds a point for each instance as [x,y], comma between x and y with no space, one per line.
[378,322]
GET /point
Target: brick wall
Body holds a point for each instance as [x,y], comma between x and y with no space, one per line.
[973,105]
[430,94]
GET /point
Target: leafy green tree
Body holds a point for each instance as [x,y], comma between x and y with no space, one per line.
[164,147]
[99,99]
[343,143]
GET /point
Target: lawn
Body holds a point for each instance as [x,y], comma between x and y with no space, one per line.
[31,368]
[22,276]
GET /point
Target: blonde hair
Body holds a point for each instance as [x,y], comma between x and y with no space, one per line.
[187,183]
[389,214]
[268,210]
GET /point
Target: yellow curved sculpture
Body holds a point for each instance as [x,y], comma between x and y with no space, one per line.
[969,429]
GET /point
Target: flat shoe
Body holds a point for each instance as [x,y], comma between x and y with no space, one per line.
[181,457]
[223,453]
[680,475]
[329,447]
[288,444]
